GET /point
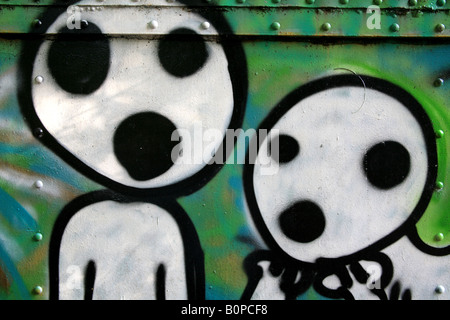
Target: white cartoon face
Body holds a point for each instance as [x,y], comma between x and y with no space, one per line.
[115,103]
[350,172]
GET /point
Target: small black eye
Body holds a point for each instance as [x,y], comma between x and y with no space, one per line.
[79,65]
[387,164]
[283,148]
[182,52]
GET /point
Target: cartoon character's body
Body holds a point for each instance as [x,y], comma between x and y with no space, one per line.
[118,109]
[357,168]
[107,246]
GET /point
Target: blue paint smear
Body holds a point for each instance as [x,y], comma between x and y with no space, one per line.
[8,264]
[15,214]
[40,162]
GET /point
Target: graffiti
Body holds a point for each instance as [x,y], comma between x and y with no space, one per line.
[224,151]
[148,250]
[91,70]
[117,127]
[352,181]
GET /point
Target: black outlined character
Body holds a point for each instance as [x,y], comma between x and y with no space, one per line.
[357,168]
[113,107]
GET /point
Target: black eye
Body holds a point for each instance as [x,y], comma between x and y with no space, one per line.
[79,65]
[182,52]
[387,164]
[284,148]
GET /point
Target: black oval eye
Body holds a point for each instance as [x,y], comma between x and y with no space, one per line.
[387,164]
[283,148]
[182,52]
[79,65]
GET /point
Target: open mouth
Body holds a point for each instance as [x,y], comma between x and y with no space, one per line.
[143,145]
[303,222]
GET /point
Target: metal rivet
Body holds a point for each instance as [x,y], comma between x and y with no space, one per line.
[275,26]
[38,290]
[417,14]
[440,134]
[153,24]
[310,1]
[326,26]
[377,2]
[37,23]
[38,132]
[412,2]
[439,82]
[439,237]
[39,184]
[205,25]
[441,3]
[439,289]
[395,27]
[39,79]
[276,1]
[439,186]
[440,27]
[344,1]
[37,236]
[240,1]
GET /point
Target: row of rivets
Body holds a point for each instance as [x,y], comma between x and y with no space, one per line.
[37,290]
[439,135]
[412,3]
[439,82]
[395,27]
[153,24]
[38,184]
